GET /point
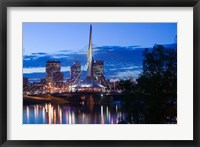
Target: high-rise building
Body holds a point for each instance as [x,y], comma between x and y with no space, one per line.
[98,69]
[58,77]
[75,74]
[25,81]
[53,73]
[43,80]
[75,71]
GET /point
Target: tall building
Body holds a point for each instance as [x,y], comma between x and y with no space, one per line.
[43,80]
[57,77]
[75,74]
[98,72]
[75,71]
[98,69]
[25,81]
[53,73]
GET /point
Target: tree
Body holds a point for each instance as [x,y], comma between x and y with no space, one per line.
[126,85]
[156,86]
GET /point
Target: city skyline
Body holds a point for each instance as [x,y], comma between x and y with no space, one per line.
[34,64]
[103,84]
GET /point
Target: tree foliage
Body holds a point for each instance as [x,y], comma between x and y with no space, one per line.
[156,87]
[126,85]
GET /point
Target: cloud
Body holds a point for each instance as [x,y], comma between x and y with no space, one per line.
[42,69]
[29,57]
[133,46]
[135,67]
[34,56]
[117,48]
[39,53]
[118,60]
[68,52]
[58,56]
[65,51]
[67,68]
[127,74]
[33,70]
[30,70]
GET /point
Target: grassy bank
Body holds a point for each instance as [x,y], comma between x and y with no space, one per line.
[40,99]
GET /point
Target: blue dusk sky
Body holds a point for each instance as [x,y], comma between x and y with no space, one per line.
[120,45]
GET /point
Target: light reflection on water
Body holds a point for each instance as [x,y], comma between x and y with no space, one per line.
[64,114]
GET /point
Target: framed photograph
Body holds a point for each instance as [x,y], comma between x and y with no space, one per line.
[83,73]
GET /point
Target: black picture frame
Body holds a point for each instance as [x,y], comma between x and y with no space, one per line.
[97,3]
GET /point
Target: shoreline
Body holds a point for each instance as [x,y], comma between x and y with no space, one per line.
[41,99]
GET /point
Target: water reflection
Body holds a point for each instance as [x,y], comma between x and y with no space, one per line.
[88,113]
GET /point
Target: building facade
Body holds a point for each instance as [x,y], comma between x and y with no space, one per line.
[98,71]
[75,72]
[25,81]
[53,72]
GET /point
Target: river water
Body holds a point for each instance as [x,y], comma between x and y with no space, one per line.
[49,113]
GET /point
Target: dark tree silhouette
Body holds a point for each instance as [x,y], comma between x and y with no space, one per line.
[155,93]
[126,85]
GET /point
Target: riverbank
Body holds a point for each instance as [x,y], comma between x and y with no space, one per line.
[40,99]
[70,98]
